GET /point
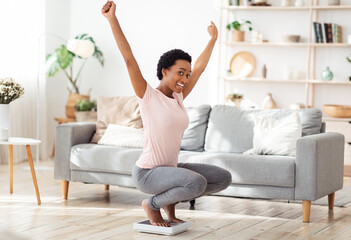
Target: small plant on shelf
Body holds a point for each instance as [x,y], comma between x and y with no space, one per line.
[238,29]
[84,105]
[235,98]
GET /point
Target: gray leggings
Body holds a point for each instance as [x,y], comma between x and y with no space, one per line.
[183,183]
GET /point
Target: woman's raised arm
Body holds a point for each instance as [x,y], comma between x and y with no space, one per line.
[202,61]
[137,79]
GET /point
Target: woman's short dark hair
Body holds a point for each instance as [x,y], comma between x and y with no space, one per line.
[169,58]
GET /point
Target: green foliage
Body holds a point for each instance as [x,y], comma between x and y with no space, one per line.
[234,96]
[86,105]
[348,59]
[238,24]
[62,59]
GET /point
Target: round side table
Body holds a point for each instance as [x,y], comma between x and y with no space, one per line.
[27,142]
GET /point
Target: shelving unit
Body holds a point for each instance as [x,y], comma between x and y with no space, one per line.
[310,81]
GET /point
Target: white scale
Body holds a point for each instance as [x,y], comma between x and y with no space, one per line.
[175,228]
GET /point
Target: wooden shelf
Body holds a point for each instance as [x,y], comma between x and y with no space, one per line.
[282,44]
[267,8]
[310,81]
[291,8]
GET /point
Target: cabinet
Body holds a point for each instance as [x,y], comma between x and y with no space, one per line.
[309,78]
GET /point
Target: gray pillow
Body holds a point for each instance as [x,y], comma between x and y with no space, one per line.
[194,135]
[230,129]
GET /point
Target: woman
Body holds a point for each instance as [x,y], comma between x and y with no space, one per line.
[165,119]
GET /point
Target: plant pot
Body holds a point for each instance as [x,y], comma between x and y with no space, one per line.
[72,102]
[86,116]
[238,36]
[4,121]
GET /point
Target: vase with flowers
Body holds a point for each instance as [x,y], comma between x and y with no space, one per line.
[9,91]
[82,48]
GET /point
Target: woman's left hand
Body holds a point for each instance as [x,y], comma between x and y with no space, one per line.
[212,30]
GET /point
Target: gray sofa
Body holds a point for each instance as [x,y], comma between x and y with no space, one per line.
[219,136]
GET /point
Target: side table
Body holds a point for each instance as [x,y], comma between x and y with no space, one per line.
[27,142]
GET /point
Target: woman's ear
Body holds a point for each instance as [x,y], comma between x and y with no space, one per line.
[164,72]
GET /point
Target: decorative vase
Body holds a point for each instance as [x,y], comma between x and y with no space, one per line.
[333,2]
[299,3]
[286,3]
[4,122]
[327,75]
[72,102]
[268,102]
[238,36]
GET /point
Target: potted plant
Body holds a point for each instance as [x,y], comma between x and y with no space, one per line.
[238,27]
[9,92]
[235,98]
[86,110]
[62,59]
[349,60]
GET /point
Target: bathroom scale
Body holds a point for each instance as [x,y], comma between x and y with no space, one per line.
[175,228]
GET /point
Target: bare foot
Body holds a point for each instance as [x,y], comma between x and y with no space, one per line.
[154,216]
[170,211]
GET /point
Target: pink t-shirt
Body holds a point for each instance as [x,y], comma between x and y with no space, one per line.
[165,120]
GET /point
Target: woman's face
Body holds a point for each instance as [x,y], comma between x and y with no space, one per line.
[177,76]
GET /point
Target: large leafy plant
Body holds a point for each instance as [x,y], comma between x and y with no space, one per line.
[62,59]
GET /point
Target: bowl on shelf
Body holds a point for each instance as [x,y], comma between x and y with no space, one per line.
[290,38]
[337,111]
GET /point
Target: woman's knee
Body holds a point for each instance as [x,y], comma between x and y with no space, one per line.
[226,178]
[198,185]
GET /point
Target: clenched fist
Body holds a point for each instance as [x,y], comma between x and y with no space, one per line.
[109,9]
[212,30]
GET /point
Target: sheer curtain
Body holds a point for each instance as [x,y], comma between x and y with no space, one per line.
[22,22]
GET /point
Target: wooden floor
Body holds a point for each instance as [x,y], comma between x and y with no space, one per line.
[91,212]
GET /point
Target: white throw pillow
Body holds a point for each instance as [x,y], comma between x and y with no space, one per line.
[122,136]
[276,137]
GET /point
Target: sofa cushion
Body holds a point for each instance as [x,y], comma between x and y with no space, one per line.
[194,135]
[103,158]
[117,110]
[267,170]
[230,129]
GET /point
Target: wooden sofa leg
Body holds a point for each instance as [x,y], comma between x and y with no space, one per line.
[65,189]
[306,209]
[107,187]
[192,203]
[331,198]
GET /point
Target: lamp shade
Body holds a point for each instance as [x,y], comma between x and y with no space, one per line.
[82,48]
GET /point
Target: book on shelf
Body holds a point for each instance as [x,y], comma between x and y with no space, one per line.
[329,33]
[317,27]
[337,33]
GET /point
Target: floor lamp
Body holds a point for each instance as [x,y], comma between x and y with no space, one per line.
[82,48]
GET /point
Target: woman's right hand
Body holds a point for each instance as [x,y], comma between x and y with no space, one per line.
[109,9]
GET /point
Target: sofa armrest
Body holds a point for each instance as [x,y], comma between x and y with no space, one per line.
[68,135]
[319,165]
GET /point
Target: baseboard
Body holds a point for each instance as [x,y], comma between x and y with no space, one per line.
[347,170]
